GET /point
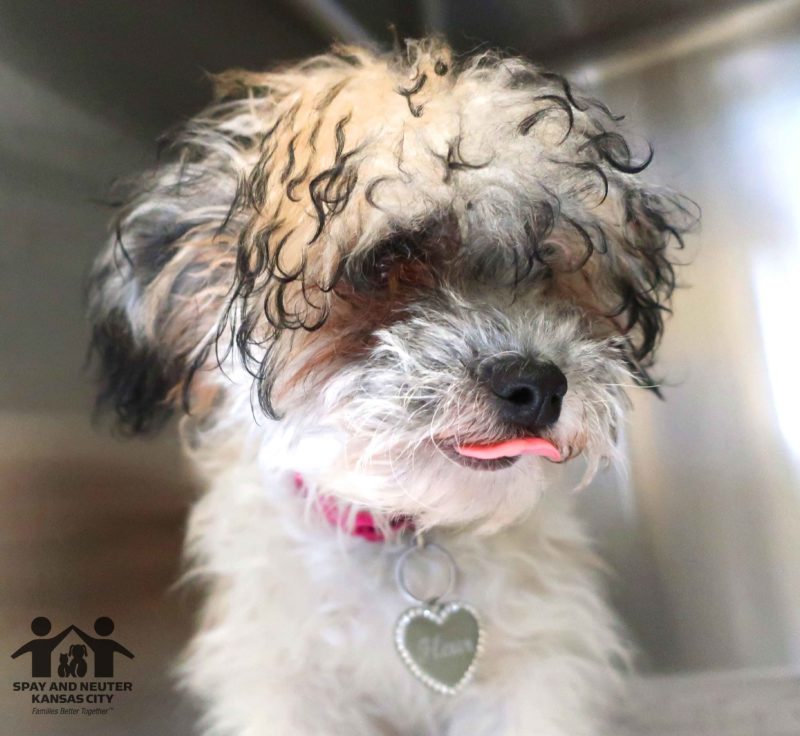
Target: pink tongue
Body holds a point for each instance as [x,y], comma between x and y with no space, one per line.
[512,448]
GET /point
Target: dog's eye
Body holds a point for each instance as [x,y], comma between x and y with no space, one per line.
[393,261]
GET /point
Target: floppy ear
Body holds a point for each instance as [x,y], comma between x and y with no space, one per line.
[158,290]
[626,237]
[221,245]
[634,272]
[643,275]
[606,240]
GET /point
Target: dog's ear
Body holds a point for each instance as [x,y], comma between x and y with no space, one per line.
[641,267]
[159,289]
[630,277]
[615,237]
[220,248]
[617,261]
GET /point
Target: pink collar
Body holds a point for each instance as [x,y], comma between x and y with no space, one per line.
[361,524]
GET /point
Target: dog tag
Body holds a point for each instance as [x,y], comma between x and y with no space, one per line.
[440,643]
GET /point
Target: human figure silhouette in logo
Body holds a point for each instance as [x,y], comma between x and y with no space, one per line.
[41,649]
[104,649]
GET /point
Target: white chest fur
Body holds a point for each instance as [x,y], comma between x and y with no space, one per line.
[300,616]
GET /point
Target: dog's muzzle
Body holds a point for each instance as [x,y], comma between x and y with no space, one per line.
[526,392]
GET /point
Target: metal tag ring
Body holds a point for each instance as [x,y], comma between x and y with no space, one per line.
[399,571]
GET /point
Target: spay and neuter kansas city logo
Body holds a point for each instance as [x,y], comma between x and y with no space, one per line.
[72,667]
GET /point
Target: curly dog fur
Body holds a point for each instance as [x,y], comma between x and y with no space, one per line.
[320,274]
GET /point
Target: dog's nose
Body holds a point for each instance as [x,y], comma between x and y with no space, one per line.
[526,392]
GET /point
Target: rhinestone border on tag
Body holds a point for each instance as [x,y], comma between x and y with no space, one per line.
[438,615]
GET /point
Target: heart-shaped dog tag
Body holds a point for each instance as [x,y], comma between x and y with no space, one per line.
[440,644]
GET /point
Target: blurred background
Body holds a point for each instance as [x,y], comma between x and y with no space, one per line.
[704,531]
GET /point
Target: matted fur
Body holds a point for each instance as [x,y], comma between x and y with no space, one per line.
[317,273]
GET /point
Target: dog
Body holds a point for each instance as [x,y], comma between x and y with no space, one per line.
[77,666]
[391,295]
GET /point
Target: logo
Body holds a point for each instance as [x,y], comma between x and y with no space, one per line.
[79,655]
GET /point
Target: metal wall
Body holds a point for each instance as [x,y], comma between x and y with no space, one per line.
[713,580]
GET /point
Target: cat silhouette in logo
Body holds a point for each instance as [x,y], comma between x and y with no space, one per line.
[77,667]
[63,665]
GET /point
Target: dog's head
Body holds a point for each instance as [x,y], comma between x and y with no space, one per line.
[421,269]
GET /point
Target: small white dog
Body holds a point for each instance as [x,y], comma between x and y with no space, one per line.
[391,294]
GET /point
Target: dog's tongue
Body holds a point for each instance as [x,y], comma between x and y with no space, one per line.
[512,448]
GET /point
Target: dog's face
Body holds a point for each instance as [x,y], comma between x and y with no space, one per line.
[423,269]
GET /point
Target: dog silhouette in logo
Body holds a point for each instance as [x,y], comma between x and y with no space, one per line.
[63,665]
[77,667]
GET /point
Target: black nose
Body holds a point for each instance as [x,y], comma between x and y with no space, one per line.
[526,392]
